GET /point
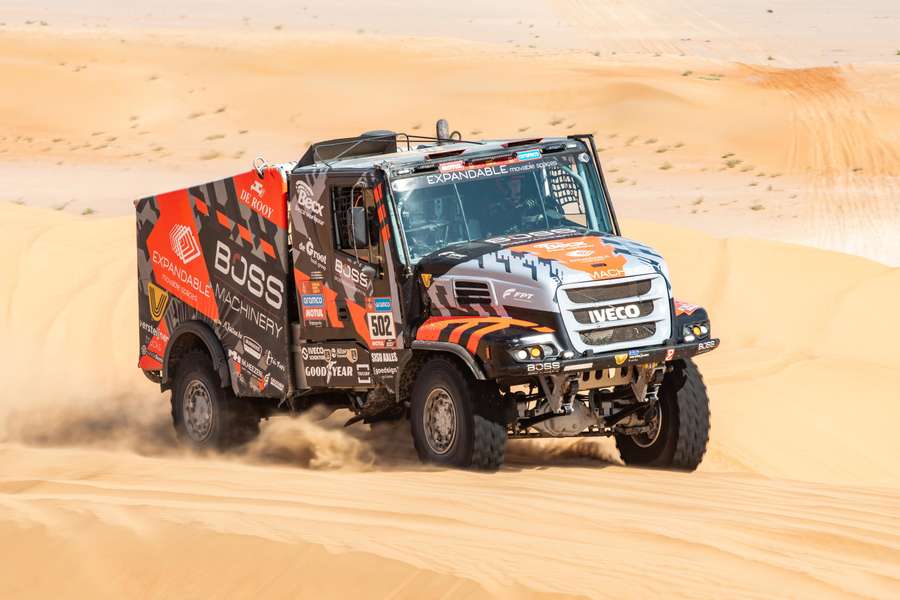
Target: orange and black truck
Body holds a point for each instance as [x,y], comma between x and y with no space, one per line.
[482,290]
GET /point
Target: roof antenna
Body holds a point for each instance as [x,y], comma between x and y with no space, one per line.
[443,131]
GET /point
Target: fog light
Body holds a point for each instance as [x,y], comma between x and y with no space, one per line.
[704,329]
[696,330]
[689,338]
[535,352]
[521,355]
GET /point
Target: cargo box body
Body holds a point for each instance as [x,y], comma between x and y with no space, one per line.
[218,254]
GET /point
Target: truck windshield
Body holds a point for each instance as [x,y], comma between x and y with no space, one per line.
[529,193]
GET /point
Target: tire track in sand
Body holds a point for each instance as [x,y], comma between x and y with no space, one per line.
[850,201]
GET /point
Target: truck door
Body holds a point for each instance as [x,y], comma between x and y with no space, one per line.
[346,289]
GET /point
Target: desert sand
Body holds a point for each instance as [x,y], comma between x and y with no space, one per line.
[720,158]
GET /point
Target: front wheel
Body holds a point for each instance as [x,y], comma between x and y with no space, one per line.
[679,425]
[447,428]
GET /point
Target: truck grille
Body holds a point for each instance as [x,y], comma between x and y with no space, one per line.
[609,316]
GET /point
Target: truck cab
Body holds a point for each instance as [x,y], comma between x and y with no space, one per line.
[480,289]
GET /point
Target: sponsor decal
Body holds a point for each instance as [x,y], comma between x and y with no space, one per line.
[252,347]
[528,154]
[572,246]
[427,278]
[177,278]
[516,294]
[320,259]
[312,300]
[384,357]
[158,299]
[670,354]
[308,205]
[621,358]
[155,331]
[380,304]
[614,313]
[244,365]
[384,371]
[249,312]
[547,367]
[328,362]
[580,253]
[314,316]
[318,353]
[328,371]
[249,276]
[253,198]
[453,165]
[274,383]
[519,238]
[706,346]
[183,243]
[363,373]
[272,361]
[452,255]
[607,274]
[685,308]
[352,273]
[637,355]
[466,174]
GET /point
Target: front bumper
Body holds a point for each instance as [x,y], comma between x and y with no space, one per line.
[596,362]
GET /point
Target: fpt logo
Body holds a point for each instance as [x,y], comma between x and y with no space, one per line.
[183,243]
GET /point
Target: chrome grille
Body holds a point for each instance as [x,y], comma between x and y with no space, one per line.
[608,316]
[605,293]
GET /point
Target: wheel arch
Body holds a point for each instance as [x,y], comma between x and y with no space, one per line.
[192,335]
[423,347]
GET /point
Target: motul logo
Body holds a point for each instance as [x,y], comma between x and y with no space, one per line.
[184,244]
[614,313]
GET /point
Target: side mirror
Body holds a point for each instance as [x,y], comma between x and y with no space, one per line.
[358,227]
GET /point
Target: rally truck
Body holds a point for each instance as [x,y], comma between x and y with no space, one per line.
[480,289]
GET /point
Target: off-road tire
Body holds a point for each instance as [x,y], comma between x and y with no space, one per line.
[234,421]
[684,433]
[480,442]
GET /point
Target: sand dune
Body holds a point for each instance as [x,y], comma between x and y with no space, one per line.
[799,491]
[722,126]
[806,155]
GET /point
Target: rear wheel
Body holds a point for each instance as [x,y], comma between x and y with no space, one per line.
[205,414]
[447,428]
[679,425]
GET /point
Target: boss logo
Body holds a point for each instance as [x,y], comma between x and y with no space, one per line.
[706,346]
[548,367]
[354,274]
[614,313]
[249,276]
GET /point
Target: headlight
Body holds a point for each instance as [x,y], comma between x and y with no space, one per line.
[695,331]
[534,352]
